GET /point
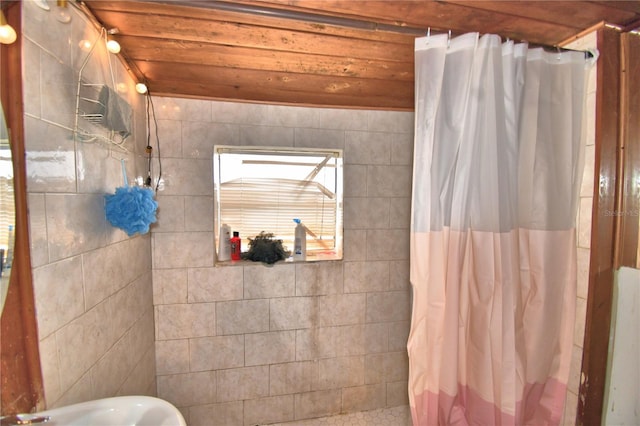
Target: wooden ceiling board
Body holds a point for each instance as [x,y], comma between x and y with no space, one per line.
[153,50]
[257,37]
[333,53]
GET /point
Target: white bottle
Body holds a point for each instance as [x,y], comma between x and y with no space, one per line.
[300,241]
[224,244]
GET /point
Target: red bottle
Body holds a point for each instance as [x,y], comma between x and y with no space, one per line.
[235,246]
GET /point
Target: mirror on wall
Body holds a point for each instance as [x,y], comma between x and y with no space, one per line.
[7,210]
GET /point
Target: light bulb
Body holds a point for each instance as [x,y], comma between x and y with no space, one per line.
[84,44]
[113,46]
[7,33]
[141,88]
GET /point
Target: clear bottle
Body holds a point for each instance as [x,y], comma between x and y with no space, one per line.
[236,246]
[224,246]
[300,241]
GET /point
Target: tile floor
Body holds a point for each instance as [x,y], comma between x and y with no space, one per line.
[395,416]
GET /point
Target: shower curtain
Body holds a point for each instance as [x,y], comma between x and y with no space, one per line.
[498,160]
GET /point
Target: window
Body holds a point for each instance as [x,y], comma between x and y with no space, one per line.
[260,189]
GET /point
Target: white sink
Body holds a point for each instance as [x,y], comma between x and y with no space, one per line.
[116,411]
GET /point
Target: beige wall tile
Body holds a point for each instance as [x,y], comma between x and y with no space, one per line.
[265,135]
[367,148]
[188,176]
[399,275]
[366,276]
[317,342]
[356,178]
[290,313]
[39,248]
[142,378]
[340,372]
[183,390]
[268,410]
[75,224]
[342,309]
[182,250]
[214,353]
[243,383]
[299,332]
[399,335]
[58,294]
[389,181]
[319,278]
[198,214]
[367,213]
[389,244]
[355,244]
[172,356]
[96,319]
[169,286]
[390,121]
[583,272]
[388,306]
[317,404]
[185,320]
[276,281]
[50,368]
[362,339]
[581,312]
[270,348]
[402,148]
[171,214]
[292,377]
[246,316]
[170,131]
[397,393]
[570,409]
[199,137]
[215,284]
[584,222]
[225,414]
[387,367]
[131,303]
[364,398]
[350,119]
[82,342]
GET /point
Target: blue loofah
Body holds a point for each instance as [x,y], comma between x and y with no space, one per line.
[131,208]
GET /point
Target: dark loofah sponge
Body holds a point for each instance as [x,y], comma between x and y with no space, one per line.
[263,248]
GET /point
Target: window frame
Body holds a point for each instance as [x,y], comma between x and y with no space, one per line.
[337,163]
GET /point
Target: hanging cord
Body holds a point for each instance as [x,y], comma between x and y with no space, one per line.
[151,111]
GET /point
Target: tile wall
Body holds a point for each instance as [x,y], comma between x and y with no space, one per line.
[584,237]
[248,344]
[92,283]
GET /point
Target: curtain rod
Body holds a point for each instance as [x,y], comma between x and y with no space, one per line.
[319,19]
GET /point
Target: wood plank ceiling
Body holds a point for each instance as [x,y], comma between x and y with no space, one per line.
[334,53]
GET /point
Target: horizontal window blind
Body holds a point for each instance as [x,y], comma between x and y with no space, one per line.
[263,191]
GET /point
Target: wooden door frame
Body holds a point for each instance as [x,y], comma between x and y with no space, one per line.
[611,247]
[20,374]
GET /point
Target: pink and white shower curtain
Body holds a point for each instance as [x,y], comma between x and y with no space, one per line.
[498,160]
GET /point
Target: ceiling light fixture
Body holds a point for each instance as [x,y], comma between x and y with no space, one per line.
[42,4]
[113,46]
[62,14]
[141,88]
[7,33]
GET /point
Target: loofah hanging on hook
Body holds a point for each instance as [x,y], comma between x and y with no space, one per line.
[131,208]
